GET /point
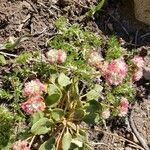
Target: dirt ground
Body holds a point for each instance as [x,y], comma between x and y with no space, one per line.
[22,17]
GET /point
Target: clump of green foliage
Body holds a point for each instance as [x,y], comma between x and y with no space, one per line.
[6,125]
[114,50]
[95,8]
[73,37]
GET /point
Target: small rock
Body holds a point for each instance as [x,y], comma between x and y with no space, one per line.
[141,9]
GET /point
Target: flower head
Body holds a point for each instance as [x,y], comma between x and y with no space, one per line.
[56,56]
[20,145]
[123,107]
[106,114]
[95,59]
[138,62]
[34,87]
[33,104]
[116,72]
[137,75]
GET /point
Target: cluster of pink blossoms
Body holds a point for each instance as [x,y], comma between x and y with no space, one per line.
[116,71]
[56,56]
[33,88]
[33,91]
[123,107]
[114,74]
[139,63]
[20,145]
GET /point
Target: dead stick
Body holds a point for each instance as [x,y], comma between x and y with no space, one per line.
[134,129]
[118,136]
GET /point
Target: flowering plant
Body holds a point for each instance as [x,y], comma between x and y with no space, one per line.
[73,82]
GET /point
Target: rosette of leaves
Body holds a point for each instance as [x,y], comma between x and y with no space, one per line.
[67,108]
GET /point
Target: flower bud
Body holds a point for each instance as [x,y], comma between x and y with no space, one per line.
[56,56]
[106,114]
[123,107]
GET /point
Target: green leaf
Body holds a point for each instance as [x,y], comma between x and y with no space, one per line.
[2,60]
[83,135]
[37,116]
[42,126]
[94,93]
[66,141]
[48,145]
[63,80]
[57,114]
[52,89]
[94,106]
[98,88]
[92,118]
[94,9]
[77,142]
[54,94]
[53,99]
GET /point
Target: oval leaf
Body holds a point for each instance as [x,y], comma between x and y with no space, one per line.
[42,126]
[66,141]
[77,142]
[94,93]
[52,99]
[52,89]
[48,145]
[57,114]
[63,80]
[37,116]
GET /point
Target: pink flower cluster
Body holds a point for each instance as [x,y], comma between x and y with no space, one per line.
[33,91]
[20,145]
[33,104]
[139,63]
[33,88]
[56,56]
[123,107]
[116,71]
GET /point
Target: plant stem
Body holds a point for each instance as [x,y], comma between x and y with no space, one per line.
[32,141]
[60,137]
[7,54]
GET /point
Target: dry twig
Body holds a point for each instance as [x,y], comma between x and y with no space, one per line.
[118,136]
[134,129]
